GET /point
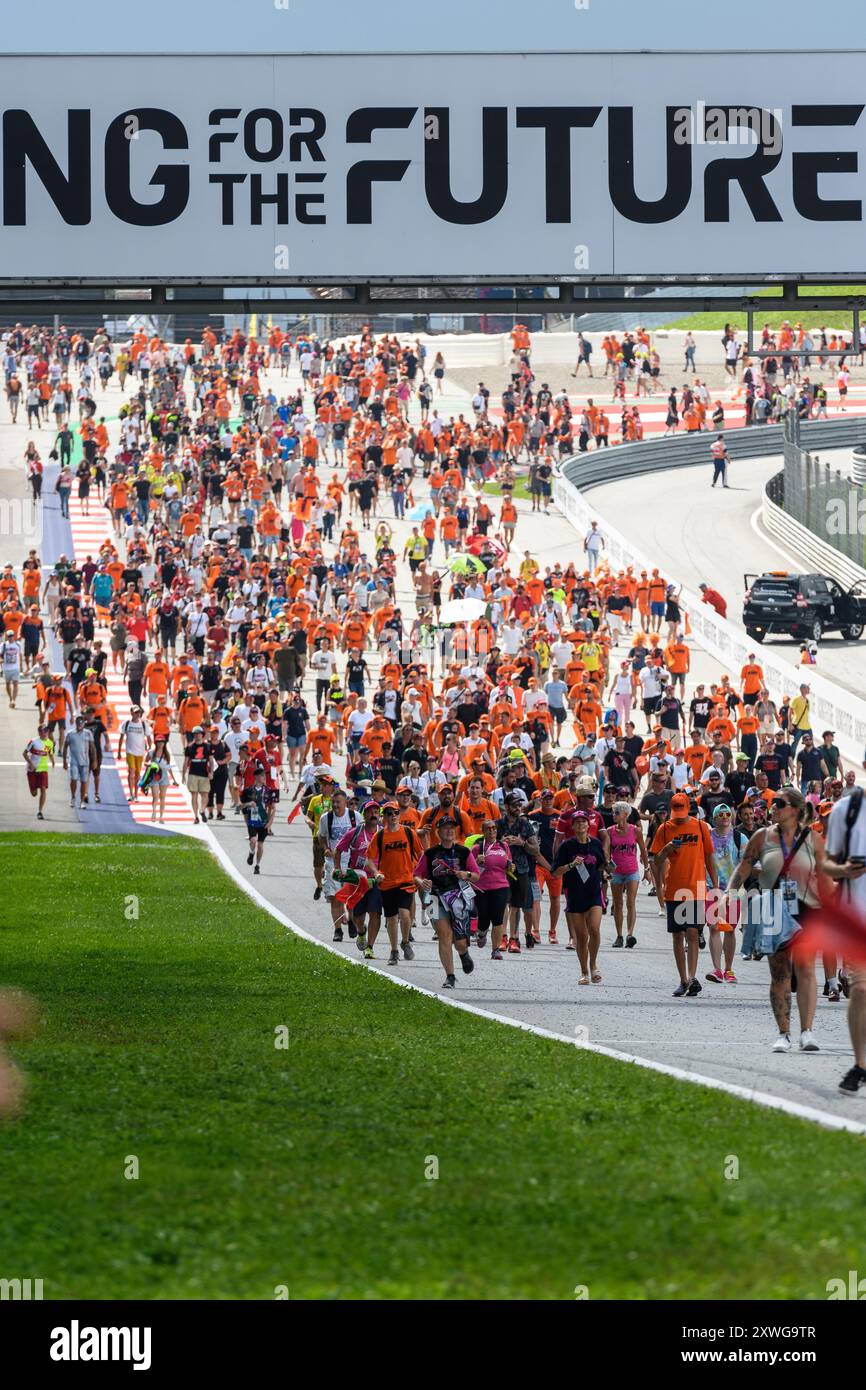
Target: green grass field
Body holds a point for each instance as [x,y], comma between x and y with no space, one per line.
[775,317]
[305,1167]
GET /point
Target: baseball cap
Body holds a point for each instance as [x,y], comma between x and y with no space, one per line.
[371,807]
[742,758]
[680,803]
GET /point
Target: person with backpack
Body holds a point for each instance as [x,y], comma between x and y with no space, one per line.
[391,858]
[256,809]
[447,872]
[334,825]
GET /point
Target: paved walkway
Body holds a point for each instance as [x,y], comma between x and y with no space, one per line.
[725,1034]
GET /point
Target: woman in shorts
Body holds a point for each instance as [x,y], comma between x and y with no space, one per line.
[441,871]
[492,889]
[163,780]
[626,841]
[580,862]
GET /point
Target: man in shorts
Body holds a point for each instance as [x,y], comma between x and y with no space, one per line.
[135,736]
[197,768]
[78,759]
[256,814]
[391,858]
[682,858]
[38,756]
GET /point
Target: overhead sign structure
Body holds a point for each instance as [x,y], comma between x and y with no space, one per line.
[547,167]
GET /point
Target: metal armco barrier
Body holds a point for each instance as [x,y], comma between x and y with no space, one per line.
[815,553]
[600,466]
[832,707]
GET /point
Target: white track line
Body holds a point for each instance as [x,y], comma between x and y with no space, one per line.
[765,538]
[790,1107]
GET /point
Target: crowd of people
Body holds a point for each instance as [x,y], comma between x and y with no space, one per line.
[512,744]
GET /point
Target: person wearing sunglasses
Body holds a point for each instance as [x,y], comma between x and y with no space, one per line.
[788,859]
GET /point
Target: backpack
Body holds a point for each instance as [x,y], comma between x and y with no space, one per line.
[329,824]
[855,801]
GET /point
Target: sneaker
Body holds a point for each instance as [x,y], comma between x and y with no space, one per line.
[730,977]
[782,1043]
[368,953]
[394,957]
[618,941]
[834,996]
[630,942]
[844,984]
[496,955]
[807,1041]
[826,988]
[694,989]
[481,940]
[257,869]
[536,935]
[250,858]
[715,977]
[450,982]
[353,931]
[530,941]
[39,815]
[553,938]
[652,893]
[467,963]
[702,941]
[317,895]
[361,941]
[852,1081]
[338,934]
[680,990]
[514,946]
[408,953]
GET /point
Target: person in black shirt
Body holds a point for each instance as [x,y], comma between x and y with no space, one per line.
[810,763]
[619,768]
[357,673]
[671,715]
[657,798]
[738,782]
[77,661]
[632,743]
[220,775]
[700,710]
[389,768]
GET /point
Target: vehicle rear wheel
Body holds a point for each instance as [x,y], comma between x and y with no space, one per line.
[853,632]
[817,630]
[757,634]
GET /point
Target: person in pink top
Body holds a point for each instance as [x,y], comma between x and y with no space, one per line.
[492,891]
[626,841]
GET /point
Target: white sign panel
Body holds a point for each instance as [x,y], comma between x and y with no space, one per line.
[552,165]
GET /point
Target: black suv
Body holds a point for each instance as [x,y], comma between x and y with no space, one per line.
[803,605]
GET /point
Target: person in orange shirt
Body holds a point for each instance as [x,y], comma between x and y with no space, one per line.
[320,739]
[752,678]
[157,674]
[677,659]
[697,755]
[392,855]
[747,734]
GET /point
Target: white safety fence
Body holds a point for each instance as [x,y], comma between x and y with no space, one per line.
[832,707]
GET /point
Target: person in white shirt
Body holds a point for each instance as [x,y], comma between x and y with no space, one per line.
[651,689]
[511,637]
[681,775]
[357,722]
[593,544]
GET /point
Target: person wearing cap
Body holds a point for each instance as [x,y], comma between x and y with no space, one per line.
[78,757]
[256,812]
[219,753]
[446,871]
[518,832]
[429,830]
[135,737]
[683,859]
[351,853]
[543,817]
[315,802]
[198,766]
[580,863]
[712,792]
[334,825]
[391,858]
